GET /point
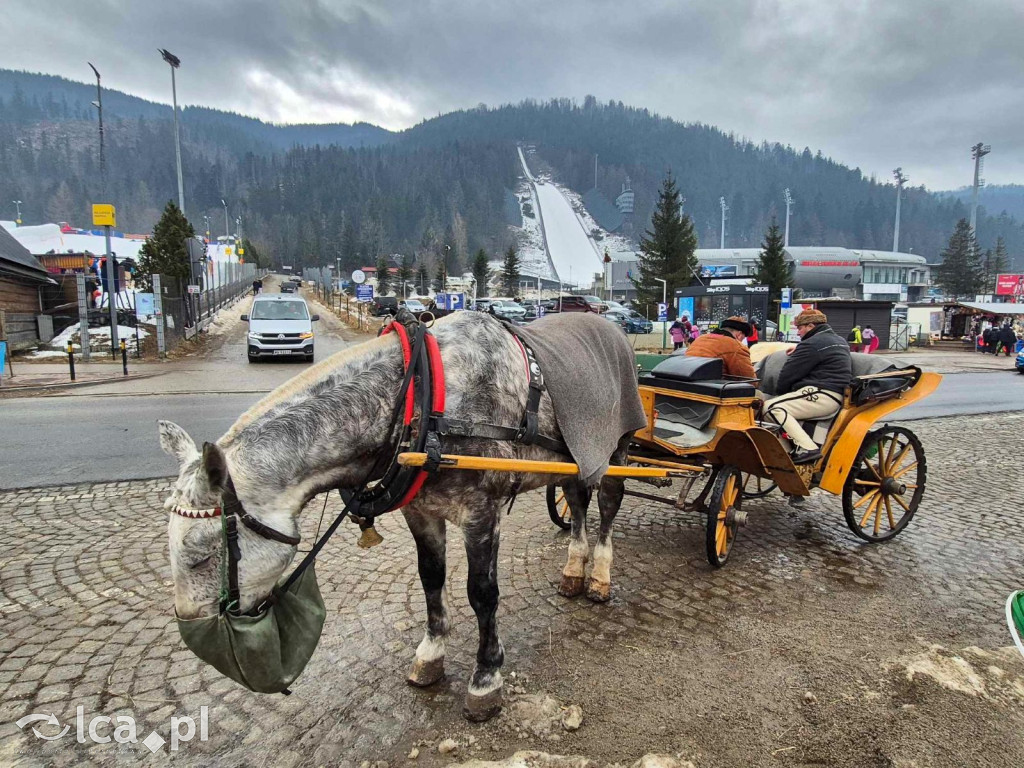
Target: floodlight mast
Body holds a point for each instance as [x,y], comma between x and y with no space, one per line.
[901,179]
[175,62]
[978,151]
[789,204]
[725,210]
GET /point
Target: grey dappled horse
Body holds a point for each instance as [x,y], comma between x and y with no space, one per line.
[325,429]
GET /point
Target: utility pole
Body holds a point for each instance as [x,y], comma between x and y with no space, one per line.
[789,204]
[725,210]
[175,62]
[111,272]
[900,181]
[207,220]
[227,226]
[978,151]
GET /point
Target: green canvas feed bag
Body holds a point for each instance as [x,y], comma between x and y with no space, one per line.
[265,652]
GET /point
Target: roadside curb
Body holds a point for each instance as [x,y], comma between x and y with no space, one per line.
[17,388]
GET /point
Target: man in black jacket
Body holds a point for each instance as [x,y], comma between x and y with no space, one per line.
[1006,339]
[811,383]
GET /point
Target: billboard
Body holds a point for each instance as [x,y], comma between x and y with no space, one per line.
[718,270]
[1010,285]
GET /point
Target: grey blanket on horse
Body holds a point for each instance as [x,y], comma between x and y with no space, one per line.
[590,372]
[863,364]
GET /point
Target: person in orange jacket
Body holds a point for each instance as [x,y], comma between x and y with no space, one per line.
[726,342]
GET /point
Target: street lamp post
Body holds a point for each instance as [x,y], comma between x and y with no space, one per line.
[207,220]
[227,225]
[901,179]
[789,204]
[111,272]
[17,219]
[444,269]
[175,62]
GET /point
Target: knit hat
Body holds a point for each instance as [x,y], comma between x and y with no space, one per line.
[736,324]
[810,317]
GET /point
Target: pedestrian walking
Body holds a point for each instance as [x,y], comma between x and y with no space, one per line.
[989,337]
[870,339]
[1007,340]
[678,335]
[854,339]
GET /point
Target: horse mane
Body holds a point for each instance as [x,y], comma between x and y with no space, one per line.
[314,380]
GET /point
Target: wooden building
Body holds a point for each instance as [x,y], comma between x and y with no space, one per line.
[22,279]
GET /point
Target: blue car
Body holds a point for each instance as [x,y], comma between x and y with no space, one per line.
[1019,364]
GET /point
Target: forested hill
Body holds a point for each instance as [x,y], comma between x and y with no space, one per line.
[996,199]
[834,204]
[313,194]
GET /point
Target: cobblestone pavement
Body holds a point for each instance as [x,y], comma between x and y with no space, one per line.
[714,664]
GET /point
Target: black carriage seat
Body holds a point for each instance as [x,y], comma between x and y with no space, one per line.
[698,376]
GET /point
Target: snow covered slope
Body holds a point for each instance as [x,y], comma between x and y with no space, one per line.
[572,252]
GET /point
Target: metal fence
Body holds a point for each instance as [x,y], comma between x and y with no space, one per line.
[186,314]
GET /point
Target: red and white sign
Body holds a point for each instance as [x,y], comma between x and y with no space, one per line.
[1010,285]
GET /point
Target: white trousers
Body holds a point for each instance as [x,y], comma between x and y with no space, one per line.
[808,403]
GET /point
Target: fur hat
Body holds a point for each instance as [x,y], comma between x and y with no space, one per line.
[810,317]
[736,324]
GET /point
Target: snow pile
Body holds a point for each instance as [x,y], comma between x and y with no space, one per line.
[99,340]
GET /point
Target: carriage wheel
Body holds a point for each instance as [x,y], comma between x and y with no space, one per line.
[723,514]
[885,484]
[756,487]
[558,508]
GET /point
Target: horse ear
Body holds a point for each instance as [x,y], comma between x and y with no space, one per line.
[214,466]
[176,442]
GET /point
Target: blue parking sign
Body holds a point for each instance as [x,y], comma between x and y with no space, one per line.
[662,312]
[364,292]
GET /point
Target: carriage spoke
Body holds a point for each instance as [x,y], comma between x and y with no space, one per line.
[888,454]
[875,498]
[720,538]
[865,499]
[904,471]
[888,511]
[878,514]
[899,459]
[900,501]
[866,482]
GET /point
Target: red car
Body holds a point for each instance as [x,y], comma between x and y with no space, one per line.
[571,304]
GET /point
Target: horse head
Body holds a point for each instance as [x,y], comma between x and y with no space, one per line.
[196,540]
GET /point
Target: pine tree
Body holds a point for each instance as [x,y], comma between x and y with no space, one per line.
[961,273]
[439,277]
[165,252]
[404,275]
[383,276]
[772,269]
[510,272]
[666,249]
[422,277]
[481,272]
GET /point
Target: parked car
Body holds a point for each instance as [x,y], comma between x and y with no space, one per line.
[596,304]
[615,305]
[632,322]
[385,305]
[1019,365]
[482,305]
[508,309]
[288,286]
[279,326]
[413,305]
[570,304]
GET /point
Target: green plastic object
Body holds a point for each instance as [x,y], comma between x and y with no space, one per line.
[1015,618]
[266,652]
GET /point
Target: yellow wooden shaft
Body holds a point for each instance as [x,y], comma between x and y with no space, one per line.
[486,463]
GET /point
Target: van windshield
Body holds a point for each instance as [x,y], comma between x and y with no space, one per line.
[279,310]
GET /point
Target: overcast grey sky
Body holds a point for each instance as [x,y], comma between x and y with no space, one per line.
[872,83]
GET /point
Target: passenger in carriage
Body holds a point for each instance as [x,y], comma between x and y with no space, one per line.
[726,342]
[812,382]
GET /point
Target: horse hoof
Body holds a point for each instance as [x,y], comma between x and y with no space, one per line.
[598,592]
[479,709]
[571,586]
[426,673]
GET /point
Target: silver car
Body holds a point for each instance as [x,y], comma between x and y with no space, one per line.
[280,326]
[508,309]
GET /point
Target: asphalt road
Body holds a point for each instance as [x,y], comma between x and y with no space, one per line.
[57,441]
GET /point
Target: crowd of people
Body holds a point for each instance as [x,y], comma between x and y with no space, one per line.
[994,338]
[684,333]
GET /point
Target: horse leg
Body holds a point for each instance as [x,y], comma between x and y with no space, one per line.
[484,693]
[578,497]
[429,534]
[609,499]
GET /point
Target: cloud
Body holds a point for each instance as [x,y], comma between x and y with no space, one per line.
[873,84]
